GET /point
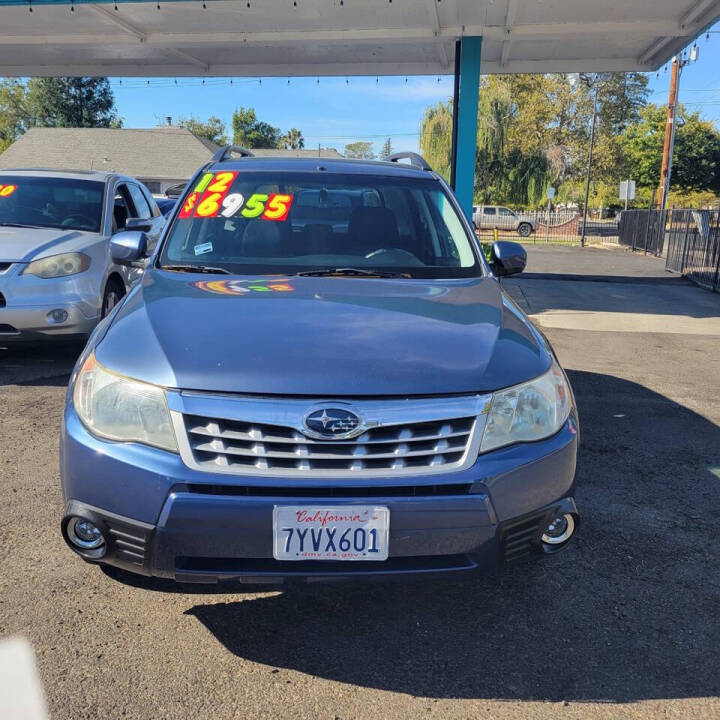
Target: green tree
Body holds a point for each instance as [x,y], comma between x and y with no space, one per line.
[250,132]
[436,137]
[534,131]
[361,150]
[13,111]
[212,129]
[293,140]
[71,102]
[387,149]
[696,159]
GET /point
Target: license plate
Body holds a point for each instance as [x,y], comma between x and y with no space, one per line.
[350,532]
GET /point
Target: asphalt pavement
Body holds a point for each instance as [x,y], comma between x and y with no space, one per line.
[624,623]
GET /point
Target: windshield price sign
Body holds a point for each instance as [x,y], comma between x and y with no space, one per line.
[210,199]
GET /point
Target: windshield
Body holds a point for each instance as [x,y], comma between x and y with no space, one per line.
[257,223]
[51,202]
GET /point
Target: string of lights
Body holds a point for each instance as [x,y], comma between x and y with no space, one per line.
[139,83]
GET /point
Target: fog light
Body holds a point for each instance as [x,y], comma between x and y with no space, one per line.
[84,534]
[559,529]
[57,316]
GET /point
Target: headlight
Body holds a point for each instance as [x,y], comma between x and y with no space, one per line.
[527,412]
[118,408]
[58,265]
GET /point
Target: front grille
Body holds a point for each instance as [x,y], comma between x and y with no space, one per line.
[374,491]
[240,446]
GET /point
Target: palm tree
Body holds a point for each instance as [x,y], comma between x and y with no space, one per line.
[293,140]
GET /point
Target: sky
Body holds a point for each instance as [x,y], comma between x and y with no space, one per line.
[332,112]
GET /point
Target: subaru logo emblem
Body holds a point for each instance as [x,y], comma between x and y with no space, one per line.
[332,423]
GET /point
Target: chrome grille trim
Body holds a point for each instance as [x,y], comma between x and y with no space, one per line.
[263,436]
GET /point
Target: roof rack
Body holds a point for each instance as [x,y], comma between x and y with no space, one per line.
[222,154]
[416,160]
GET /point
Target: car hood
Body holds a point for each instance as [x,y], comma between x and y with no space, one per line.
[25,244]
[322,336]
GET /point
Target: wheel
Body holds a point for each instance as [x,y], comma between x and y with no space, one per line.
[524,229]
[114,292]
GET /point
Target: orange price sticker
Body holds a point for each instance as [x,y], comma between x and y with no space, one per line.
[208,205]
[278,207]
[211,200]
[188,207]
[221,182]
[7,190]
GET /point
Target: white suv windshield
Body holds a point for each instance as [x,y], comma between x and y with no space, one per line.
[53,202]
[255,222]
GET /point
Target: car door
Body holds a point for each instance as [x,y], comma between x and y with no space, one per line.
[124,208]
[147,210]
[506,219]
[489,217]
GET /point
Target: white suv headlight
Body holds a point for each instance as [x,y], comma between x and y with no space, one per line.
[58,265]
[531,411]
[119,408]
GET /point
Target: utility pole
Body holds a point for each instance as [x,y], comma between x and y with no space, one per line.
[678,63]
[589,165]
[669,134]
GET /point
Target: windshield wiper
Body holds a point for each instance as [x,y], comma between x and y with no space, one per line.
[350,272]
[196,268]
[19,225]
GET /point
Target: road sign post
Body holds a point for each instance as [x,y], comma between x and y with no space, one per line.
[627,191]
[550,196]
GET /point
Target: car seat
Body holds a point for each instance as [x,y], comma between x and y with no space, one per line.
[372,228]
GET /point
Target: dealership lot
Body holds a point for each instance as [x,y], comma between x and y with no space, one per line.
[624,623]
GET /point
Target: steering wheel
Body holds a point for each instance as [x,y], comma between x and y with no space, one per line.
[399,256]
[82,220]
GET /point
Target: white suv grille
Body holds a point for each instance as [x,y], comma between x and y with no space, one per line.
[262,436]
[242,446]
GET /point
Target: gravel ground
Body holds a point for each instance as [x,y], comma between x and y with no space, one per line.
[622,624]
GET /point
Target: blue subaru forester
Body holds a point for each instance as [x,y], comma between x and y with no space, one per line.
[319,375]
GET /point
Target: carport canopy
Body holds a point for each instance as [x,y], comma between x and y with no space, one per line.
[256,38]
[340,37]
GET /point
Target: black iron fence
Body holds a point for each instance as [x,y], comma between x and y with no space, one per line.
[640,230]
[563,227]
[693,238]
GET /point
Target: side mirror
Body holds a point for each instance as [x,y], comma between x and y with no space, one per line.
[508,258]
[128,247]
[138,224]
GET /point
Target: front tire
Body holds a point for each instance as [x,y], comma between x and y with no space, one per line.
[524,229]
[114,292]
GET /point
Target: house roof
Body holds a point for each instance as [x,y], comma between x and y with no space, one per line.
[163,153]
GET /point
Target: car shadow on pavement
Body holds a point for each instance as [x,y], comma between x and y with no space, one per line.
[628,612]
[47,364]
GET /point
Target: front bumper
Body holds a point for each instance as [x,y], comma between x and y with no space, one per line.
[164,519]
[31,323]
[26,301]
